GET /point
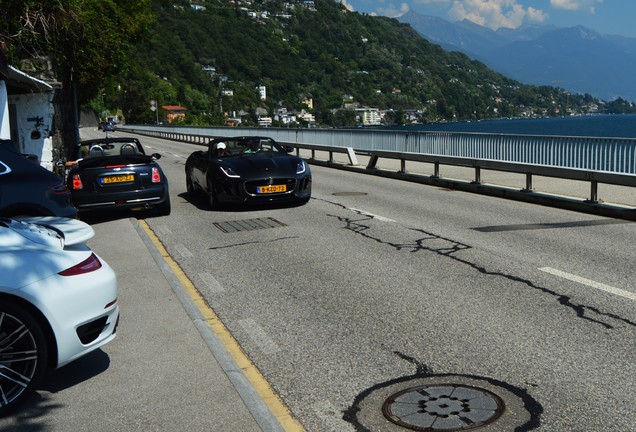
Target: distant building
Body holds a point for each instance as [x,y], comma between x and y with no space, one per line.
[262,92]
[369,116]
[264,121]
[308,117]
[309,102]
[173,112]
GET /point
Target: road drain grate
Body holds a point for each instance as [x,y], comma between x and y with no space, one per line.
[443,407]
[248,225]
[349,193]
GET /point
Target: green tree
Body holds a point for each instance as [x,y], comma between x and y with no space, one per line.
[87,40]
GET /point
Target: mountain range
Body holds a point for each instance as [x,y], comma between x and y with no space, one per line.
[576,59]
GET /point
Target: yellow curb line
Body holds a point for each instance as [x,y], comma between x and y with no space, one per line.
[253,375]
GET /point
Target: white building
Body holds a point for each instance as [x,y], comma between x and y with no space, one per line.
[369,116]
[262,92]
[26,113]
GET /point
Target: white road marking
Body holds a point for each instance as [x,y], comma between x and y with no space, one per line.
[258,335]
[590,283]
[331,417]
[163,230]
[183,251]
[211,283]
[374,216]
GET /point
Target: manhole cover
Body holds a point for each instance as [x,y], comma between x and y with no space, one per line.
[248,225]
[349,193]
[444,402]
[443,407]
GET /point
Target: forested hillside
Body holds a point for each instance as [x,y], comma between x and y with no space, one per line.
[210,59]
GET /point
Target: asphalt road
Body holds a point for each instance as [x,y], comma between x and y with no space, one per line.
[378,286]
[377,281]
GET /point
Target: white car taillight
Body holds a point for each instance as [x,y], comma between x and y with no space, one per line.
[90,264]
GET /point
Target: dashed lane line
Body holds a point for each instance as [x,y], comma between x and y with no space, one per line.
[590,283]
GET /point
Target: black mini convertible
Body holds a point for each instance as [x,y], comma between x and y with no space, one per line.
[116,173]
[248,169]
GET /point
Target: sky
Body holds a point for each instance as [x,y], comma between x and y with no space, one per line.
[614,17]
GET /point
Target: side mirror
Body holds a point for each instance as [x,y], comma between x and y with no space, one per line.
[156,156]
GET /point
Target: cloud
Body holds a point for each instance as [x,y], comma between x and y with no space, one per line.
[576,5]
[392,11]
[496,13]
[347,5]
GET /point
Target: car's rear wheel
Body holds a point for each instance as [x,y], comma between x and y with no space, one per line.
[213,201]
[23,355]
[164,208]
[189,185]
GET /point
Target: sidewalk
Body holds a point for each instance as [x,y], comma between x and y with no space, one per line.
[165,370]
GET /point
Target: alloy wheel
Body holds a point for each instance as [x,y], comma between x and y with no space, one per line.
[22,356]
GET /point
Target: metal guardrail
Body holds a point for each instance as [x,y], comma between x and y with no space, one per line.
[617,155]
[594,177]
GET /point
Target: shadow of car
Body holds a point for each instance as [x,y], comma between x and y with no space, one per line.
[26,188]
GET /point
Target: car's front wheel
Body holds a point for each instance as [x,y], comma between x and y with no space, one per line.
[213,201]
[23,355]
[189,185]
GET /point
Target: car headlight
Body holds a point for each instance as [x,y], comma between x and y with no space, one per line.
[301,167]
[230,172]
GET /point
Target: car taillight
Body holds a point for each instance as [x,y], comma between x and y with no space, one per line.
[90,264]
[156,175]
[77,182]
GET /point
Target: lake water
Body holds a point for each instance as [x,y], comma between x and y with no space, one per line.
[622,126]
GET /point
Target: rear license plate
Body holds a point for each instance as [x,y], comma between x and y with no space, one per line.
[271,189]
[118,178]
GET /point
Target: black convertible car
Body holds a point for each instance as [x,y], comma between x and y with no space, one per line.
[116,173]
[249,169]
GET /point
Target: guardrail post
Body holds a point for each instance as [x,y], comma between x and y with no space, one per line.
[373,161]
[528,187]
[353,160]
[402,166]
[436,170]
[477,175]
[593,192]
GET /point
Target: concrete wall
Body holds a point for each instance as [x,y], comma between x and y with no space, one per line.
[5,127]
[34,117]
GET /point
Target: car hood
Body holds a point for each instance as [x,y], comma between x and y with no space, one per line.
[49,231]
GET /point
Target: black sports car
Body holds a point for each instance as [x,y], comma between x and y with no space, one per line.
[116,173]
[26,188]
[249,169]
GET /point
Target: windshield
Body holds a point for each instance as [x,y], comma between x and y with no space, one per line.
[246,147]
[95,149]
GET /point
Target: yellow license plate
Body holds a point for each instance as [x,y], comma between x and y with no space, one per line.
[118,178]
[272,189]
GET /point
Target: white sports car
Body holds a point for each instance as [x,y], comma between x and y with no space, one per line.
[58,301]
